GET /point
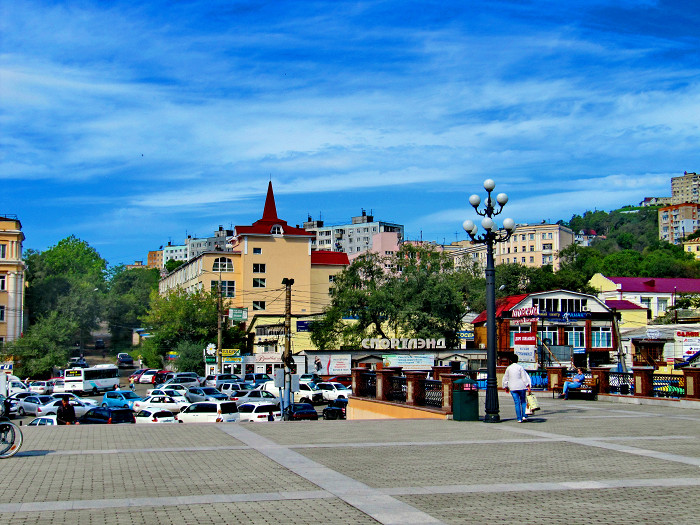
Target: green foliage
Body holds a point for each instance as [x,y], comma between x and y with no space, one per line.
[45,345]
[128,298]
[624,229]
[172,264]
[190,357]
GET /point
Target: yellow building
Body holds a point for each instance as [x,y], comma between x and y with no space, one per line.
[692,247]
[678,221]
[11,279]
[251,274]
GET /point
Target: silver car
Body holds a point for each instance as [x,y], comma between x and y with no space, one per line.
[205,393]
[30,404]
[257,396]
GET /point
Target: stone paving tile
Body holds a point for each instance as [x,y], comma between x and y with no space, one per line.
[683,447]
[414,466]
[606,506]
[109,437]
[82,477]
[326,511]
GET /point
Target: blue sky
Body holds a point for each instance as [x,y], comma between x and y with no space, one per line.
[129,124]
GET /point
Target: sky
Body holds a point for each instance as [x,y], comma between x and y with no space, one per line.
[131,124]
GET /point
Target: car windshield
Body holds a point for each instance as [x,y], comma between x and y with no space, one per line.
[130,395]
[45,399]
[210,391]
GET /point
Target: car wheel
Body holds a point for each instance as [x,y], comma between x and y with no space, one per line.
[305,400]
[104,405]
[340,397]
[20,412]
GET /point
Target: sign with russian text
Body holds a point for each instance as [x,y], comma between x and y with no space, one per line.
[525,347]
[690,341]
[410,362]
[403,344]
[331,364]
[268,357]
[238,314]
[303,326]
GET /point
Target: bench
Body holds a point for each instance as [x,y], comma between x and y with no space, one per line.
[589,387]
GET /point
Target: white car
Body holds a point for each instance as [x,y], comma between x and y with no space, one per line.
[71,396]
[180,389]
[16,387]
[41,387]
[43,421]
[153,415]
[209,412]
[59,386]
[51,408]
[257,395]
[30,404]
[177,395]
[160,402]
[186,381]
[333,391]
[252,412]
[147,376]
[215,380]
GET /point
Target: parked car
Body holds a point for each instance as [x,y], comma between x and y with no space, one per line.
[186,381]
[59,386]
[257,378]
[310,378]
[206,393]
[301,411]
[332,391]
[124,360]
[162,376]
[343,380]
[216,380]
[100,344]
[41,387]
[257,395]
[336,409]
[159,402]
[77,362]
[71,396]
[51,408]
[153,415]
[235,395]
[136,374]
[180,389]
[193,375]
[307,393]
[18,396]
[12,407]
[119,399]
[148,375]
[29,404]
[16,387]
[177,395]
[252,412]
[229,388]
[209,412]
[107,416]
[43,421]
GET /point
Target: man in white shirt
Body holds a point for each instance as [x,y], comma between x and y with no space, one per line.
[517,381]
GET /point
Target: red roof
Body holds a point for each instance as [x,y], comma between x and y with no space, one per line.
[502,305]
[270,219]
[622,305]
[657,285]
[330,258]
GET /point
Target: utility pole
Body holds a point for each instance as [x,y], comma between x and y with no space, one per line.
[287,356]
[219,314]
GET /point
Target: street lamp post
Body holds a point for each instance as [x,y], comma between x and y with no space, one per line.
[490,237]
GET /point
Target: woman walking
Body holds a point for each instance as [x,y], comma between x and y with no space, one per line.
[517,381]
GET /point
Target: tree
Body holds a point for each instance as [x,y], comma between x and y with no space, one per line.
[172,265]
[190,357]
[128,298]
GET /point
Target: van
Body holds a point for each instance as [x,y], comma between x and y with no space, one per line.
[209,412]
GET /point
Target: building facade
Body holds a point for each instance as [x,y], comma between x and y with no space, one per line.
[155,259]
[678,221]
[174,252]
[692,247]
[353,238]
[11,279]
[685,188]
[534,245]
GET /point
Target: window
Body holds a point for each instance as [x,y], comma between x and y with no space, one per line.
[2,283]
[257,250]
[532,237]
[222,264]
[331,278]
[646,302]
[523,259]
[3,251]
[532,248]
[259,282]
[549,332]
[575,336]
[547,246]
[258,305]
[2,313]
[276,230]
[228,288]
[258,268]
[601,337]
[532,259]
[663,304]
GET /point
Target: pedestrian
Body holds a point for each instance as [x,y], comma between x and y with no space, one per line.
[131,383]
[517,381]
[65,415]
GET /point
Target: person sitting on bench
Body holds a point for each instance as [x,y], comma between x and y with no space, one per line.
[576,382]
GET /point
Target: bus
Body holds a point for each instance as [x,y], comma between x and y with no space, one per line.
[95,379]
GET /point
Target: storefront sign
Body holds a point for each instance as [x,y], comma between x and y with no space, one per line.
[238,314]
[403,344]
[530,311]
[231,359]
[331,364]
[304,326]
[268,357]
[466,334]
[410,362]
[525,346]
[690,341]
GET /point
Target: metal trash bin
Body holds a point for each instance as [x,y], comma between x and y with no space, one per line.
[465,400]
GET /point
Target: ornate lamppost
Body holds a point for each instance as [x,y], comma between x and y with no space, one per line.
[490,237]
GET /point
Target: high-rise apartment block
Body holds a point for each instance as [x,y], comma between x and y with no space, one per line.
[678,221]
[350,238]
[11,279]
[685,188]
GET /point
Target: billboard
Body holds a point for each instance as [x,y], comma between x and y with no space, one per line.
[410,362]
[525,347]
[331,364]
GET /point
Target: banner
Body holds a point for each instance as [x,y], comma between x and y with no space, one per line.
[331,364]
[525,347]
[690,341]
[410,362]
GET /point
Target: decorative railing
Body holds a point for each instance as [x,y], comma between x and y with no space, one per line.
[668,385]
[429,393]
[621,383]
[538,379]
[397,389]
[368,385]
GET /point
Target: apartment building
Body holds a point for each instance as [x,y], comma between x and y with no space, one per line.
[11,279]
[678,221]
[218,242]
[685,188]
[693,247]
[353,238]
[534,245]
[261,255]
[175,252]
[155,259]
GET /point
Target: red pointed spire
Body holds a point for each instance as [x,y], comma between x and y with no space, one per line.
[270,211]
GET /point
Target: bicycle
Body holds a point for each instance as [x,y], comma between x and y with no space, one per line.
[10,435]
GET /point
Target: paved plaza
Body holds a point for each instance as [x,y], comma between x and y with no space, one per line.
[575,462]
